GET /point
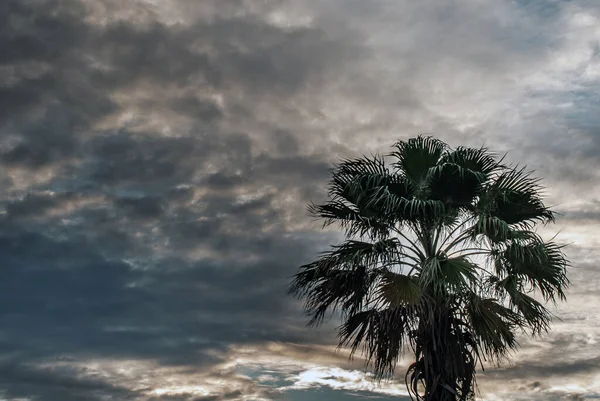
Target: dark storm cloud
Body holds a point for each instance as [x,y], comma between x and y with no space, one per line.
[54,384]
[168,165]
[233,395]
[126,158]
[81,66]
[241,51]
[147,246]
[64,298]
[48,108]
[141,207]
[42,32]
[35,204]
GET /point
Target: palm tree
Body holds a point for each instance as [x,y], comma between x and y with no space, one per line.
[441,258]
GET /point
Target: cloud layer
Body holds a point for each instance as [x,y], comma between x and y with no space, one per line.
[156,158]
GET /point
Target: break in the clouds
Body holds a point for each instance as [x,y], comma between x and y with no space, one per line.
[156,158]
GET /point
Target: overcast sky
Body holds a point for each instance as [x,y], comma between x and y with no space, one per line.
[156,158]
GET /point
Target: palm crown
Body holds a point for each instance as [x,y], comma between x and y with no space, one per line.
[441,256]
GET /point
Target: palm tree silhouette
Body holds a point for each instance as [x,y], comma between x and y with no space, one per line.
[441,257]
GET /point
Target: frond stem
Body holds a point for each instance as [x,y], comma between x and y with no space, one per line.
[478,251]
[451,233]
[414,248]
[466,235]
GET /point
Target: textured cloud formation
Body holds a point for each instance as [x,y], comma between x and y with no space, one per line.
[156,157]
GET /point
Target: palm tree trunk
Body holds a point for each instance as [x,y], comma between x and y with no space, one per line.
[437,345]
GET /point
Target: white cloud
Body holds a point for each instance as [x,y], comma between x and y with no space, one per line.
[341,379]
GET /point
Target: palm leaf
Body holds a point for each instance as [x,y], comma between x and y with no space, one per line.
[454,184]
[399,290]
[535,315]
[382,333]
[352,252]
[415,157]
[493,228]
[331,288]
[443,273]
[514,197]
[351,220]
[492,325]
[459,175]
[479,161]
[541,265]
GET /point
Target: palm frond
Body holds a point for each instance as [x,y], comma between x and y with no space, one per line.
[417,210]
[399,290]
[460,272]
[442,274]
[415,157]
[493,326]
[539,264]
[514,197]
[382,333]
[352,221]
[353,179]
[534,314]
[329,289]
[399,186]
[359,197]
[351,252]
[342,277]
[460,174]
[454,184]
[493,228]
[480,161]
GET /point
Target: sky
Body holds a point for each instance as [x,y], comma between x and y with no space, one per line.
[157,156]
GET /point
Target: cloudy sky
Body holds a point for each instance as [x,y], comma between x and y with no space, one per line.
[156,157]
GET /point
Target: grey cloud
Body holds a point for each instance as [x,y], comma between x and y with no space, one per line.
[203,109]
[173,245]
[589,212]
[35,204]
[35,34]
[231,395]
[52,384]
[88,64]
[554,368]
[128,158]
[44,37]
[220,54]
[80,302]
[141,207]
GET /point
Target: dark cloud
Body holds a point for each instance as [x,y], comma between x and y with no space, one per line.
[35,204]
[553,369]
[156,162]
[48,101]
[587,213]
[142,245]
[140,207]
[54,384]
[126,158]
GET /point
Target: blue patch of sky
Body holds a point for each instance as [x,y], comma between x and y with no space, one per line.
[583,113]
[267,377]
[277,380]
[533,33]
[543,8]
